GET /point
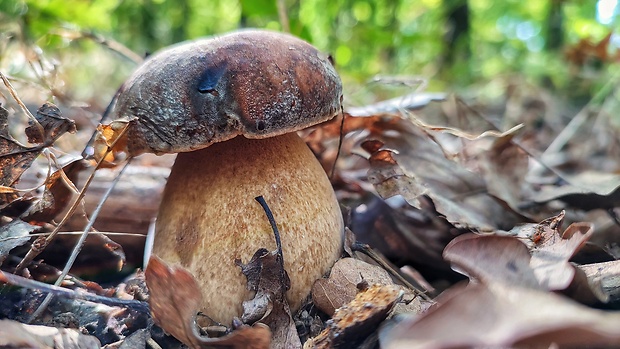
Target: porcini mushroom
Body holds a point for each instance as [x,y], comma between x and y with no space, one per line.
[231,106]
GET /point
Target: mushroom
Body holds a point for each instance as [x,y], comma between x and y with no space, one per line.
[231,106]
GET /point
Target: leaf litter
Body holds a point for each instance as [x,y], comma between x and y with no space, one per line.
[422,187]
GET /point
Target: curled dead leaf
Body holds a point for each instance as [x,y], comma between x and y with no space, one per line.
[174,298]
[492,259]
[110,141]
[503,316]
[51,123]
[267,277]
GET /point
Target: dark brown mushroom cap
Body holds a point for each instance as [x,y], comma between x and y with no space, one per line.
[255,83]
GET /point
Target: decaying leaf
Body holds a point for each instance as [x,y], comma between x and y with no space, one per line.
[607,275]
[17,335]
[403,233]
[268,279]
[51,123]
[341,286]
[587,191]
[504,167]
[405,161]
[174,298]
[492,259]
[353,322]
[503,316]
[551,255]
[14,234]
[505,259]
[15,158]
[111,140]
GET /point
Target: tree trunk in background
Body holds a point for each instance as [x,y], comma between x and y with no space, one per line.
[457,47]
[554,26]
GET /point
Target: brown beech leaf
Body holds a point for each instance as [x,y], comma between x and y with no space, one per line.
[15,158]
[341,286]
[492,259]
[551,254]
[503,316]
[605,274]
[174,298]
[268,279]
[506,259]
[586,191]
[404,233]
[353,322]
[404,160]
[52,123]
[504,167]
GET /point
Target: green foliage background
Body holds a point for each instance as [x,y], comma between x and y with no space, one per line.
[366,37]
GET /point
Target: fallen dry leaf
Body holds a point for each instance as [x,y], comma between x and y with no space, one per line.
[504,167]
[111,137]
[17,335]
[14,234]
[174,298]
[551,254]
[503,316]
[492,259]
[607,275]
[406,161]
[405,234]
[587,191]
[268,279]
[51,123]
[15,158]
[353,322]
[506,259]
[341,286]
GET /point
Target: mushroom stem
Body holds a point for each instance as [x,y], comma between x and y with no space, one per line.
[208,217]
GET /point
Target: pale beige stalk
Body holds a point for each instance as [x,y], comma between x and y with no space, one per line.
[208,217]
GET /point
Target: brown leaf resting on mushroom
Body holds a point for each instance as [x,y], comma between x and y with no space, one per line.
[269,281]
[174,298]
